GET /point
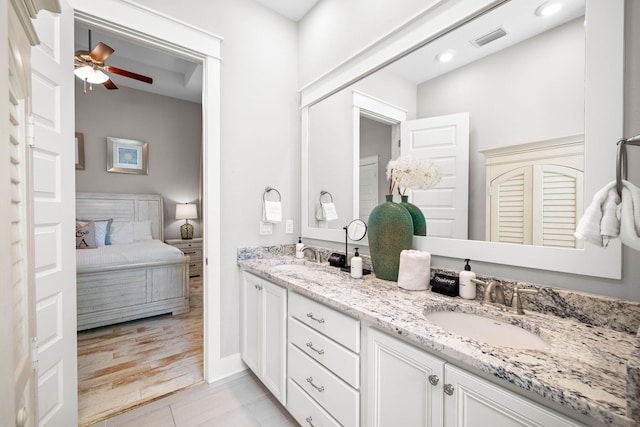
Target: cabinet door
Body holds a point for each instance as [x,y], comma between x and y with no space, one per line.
[250,312]
[478,403]
[274,339]
[399,384]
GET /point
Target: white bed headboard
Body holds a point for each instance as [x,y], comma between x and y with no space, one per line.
[123,207]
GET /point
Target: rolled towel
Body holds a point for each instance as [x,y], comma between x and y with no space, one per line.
[629,215]
[271,211]
[590,226]
[414,272]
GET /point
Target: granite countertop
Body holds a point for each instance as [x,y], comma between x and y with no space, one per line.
[583,369]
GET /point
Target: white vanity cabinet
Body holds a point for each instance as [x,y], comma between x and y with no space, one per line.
[264,332]
[409,387]
[404,384]
[323,365]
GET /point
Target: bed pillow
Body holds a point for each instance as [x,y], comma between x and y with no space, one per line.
[121,232]
[85,235]
[102,229]
[142,230]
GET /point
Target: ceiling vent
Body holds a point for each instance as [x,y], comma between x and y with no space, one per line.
[489,37]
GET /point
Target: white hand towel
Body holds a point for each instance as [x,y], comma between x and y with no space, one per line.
[415,270]
[629,215]
[329,211]
[271,211]
[590,225]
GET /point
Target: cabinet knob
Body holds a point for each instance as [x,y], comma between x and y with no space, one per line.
[448,389]
[319,388]
[258,287]
[310,345]
[434,380]
[308,420]
[310,316]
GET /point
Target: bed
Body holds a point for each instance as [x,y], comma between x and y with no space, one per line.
[118,283]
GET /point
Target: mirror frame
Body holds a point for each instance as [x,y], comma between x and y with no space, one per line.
[603,127]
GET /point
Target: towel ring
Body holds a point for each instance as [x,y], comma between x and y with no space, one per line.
[621,160]
[269,190]
[325,193]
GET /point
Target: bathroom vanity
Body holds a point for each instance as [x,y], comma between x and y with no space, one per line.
[360,352]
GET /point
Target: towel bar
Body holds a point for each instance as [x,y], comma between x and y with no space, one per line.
[621,160]
[267,191]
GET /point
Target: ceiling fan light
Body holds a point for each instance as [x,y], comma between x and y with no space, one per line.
[83,72]
[97,77]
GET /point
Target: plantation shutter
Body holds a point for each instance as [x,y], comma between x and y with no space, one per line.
[511,207]
[559,205]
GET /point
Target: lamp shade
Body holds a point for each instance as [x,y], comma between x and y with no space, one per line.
[186,211]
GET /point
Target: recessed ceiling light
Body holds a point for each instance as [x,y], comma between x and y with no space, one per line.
[446,55]
[549,8]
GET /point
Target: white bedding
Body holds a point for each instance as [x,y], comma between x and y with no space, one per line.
[136,252]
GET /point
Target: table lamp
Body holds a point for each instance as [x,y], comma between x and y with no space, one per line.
[186,211]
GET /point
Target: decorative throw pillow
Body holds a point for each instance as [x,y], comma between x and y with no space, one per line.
[85,235]
[102,229]
[142,230]
[121,232]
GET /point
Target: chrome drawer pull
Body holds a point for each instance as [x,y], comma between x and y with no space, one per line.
[310,345]
[310,381]
[309,419]
[310,315]
[433,379]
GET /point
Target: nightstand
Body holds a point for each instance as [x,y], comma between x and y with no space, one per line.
[192,248]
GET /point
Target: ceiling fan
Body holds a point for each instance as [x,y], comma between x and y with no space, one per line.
[90,67]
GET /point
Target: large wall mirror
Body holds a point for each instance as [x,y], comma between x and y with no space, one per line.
[519,119]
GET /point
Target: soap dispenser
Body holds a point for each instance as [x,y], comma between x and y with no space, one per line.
[467,289]
[299,246]
[356,265]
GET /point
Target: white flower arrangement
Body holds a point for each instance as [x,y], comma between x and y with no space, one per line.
[410,172]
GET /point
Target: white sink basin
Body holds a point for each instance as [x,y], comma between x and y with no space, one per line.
[290,267]
[484,329]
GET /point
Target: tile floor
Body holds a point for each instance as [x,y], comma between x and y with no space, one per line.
[240,402]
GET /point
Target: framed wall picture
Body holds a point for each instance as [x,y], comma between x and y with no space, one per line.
[79,151]
[127,156]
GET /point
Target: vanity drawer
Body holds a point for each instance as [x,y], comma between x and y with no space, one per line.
[331,355]
[337,326]
[333,394]
[305,410]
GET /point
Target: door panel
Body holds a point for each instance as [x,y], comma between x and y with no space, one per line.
[54,223]
[445,141]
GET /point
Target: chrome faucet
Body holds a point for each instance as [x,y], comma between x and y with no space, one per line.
[494,296]
[314,251]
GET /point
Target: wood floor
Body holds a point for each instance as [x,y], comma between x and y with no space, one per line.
[125,365]
[241,402]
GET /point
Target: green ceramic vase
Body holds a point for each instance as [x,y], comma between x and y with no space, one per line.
[419,223]
[390,230]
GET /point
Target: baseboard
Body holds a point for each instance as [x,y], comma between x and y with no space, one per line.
[225,368]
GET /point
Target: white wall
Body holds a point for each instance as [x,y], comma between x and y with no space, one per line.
[173,129]
[260,128]
[316,25]
[335,30]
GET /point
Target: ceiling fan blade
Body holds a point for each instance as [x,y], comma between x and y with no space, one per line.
[110,85]
[129,74]
[101,52]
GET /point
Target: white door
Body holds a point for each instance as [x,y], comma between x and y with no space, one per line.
[368,186]
[274,339]
[404,384]
[18,265]
[250,321]
[445,141]
[54,223]
[475,402]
